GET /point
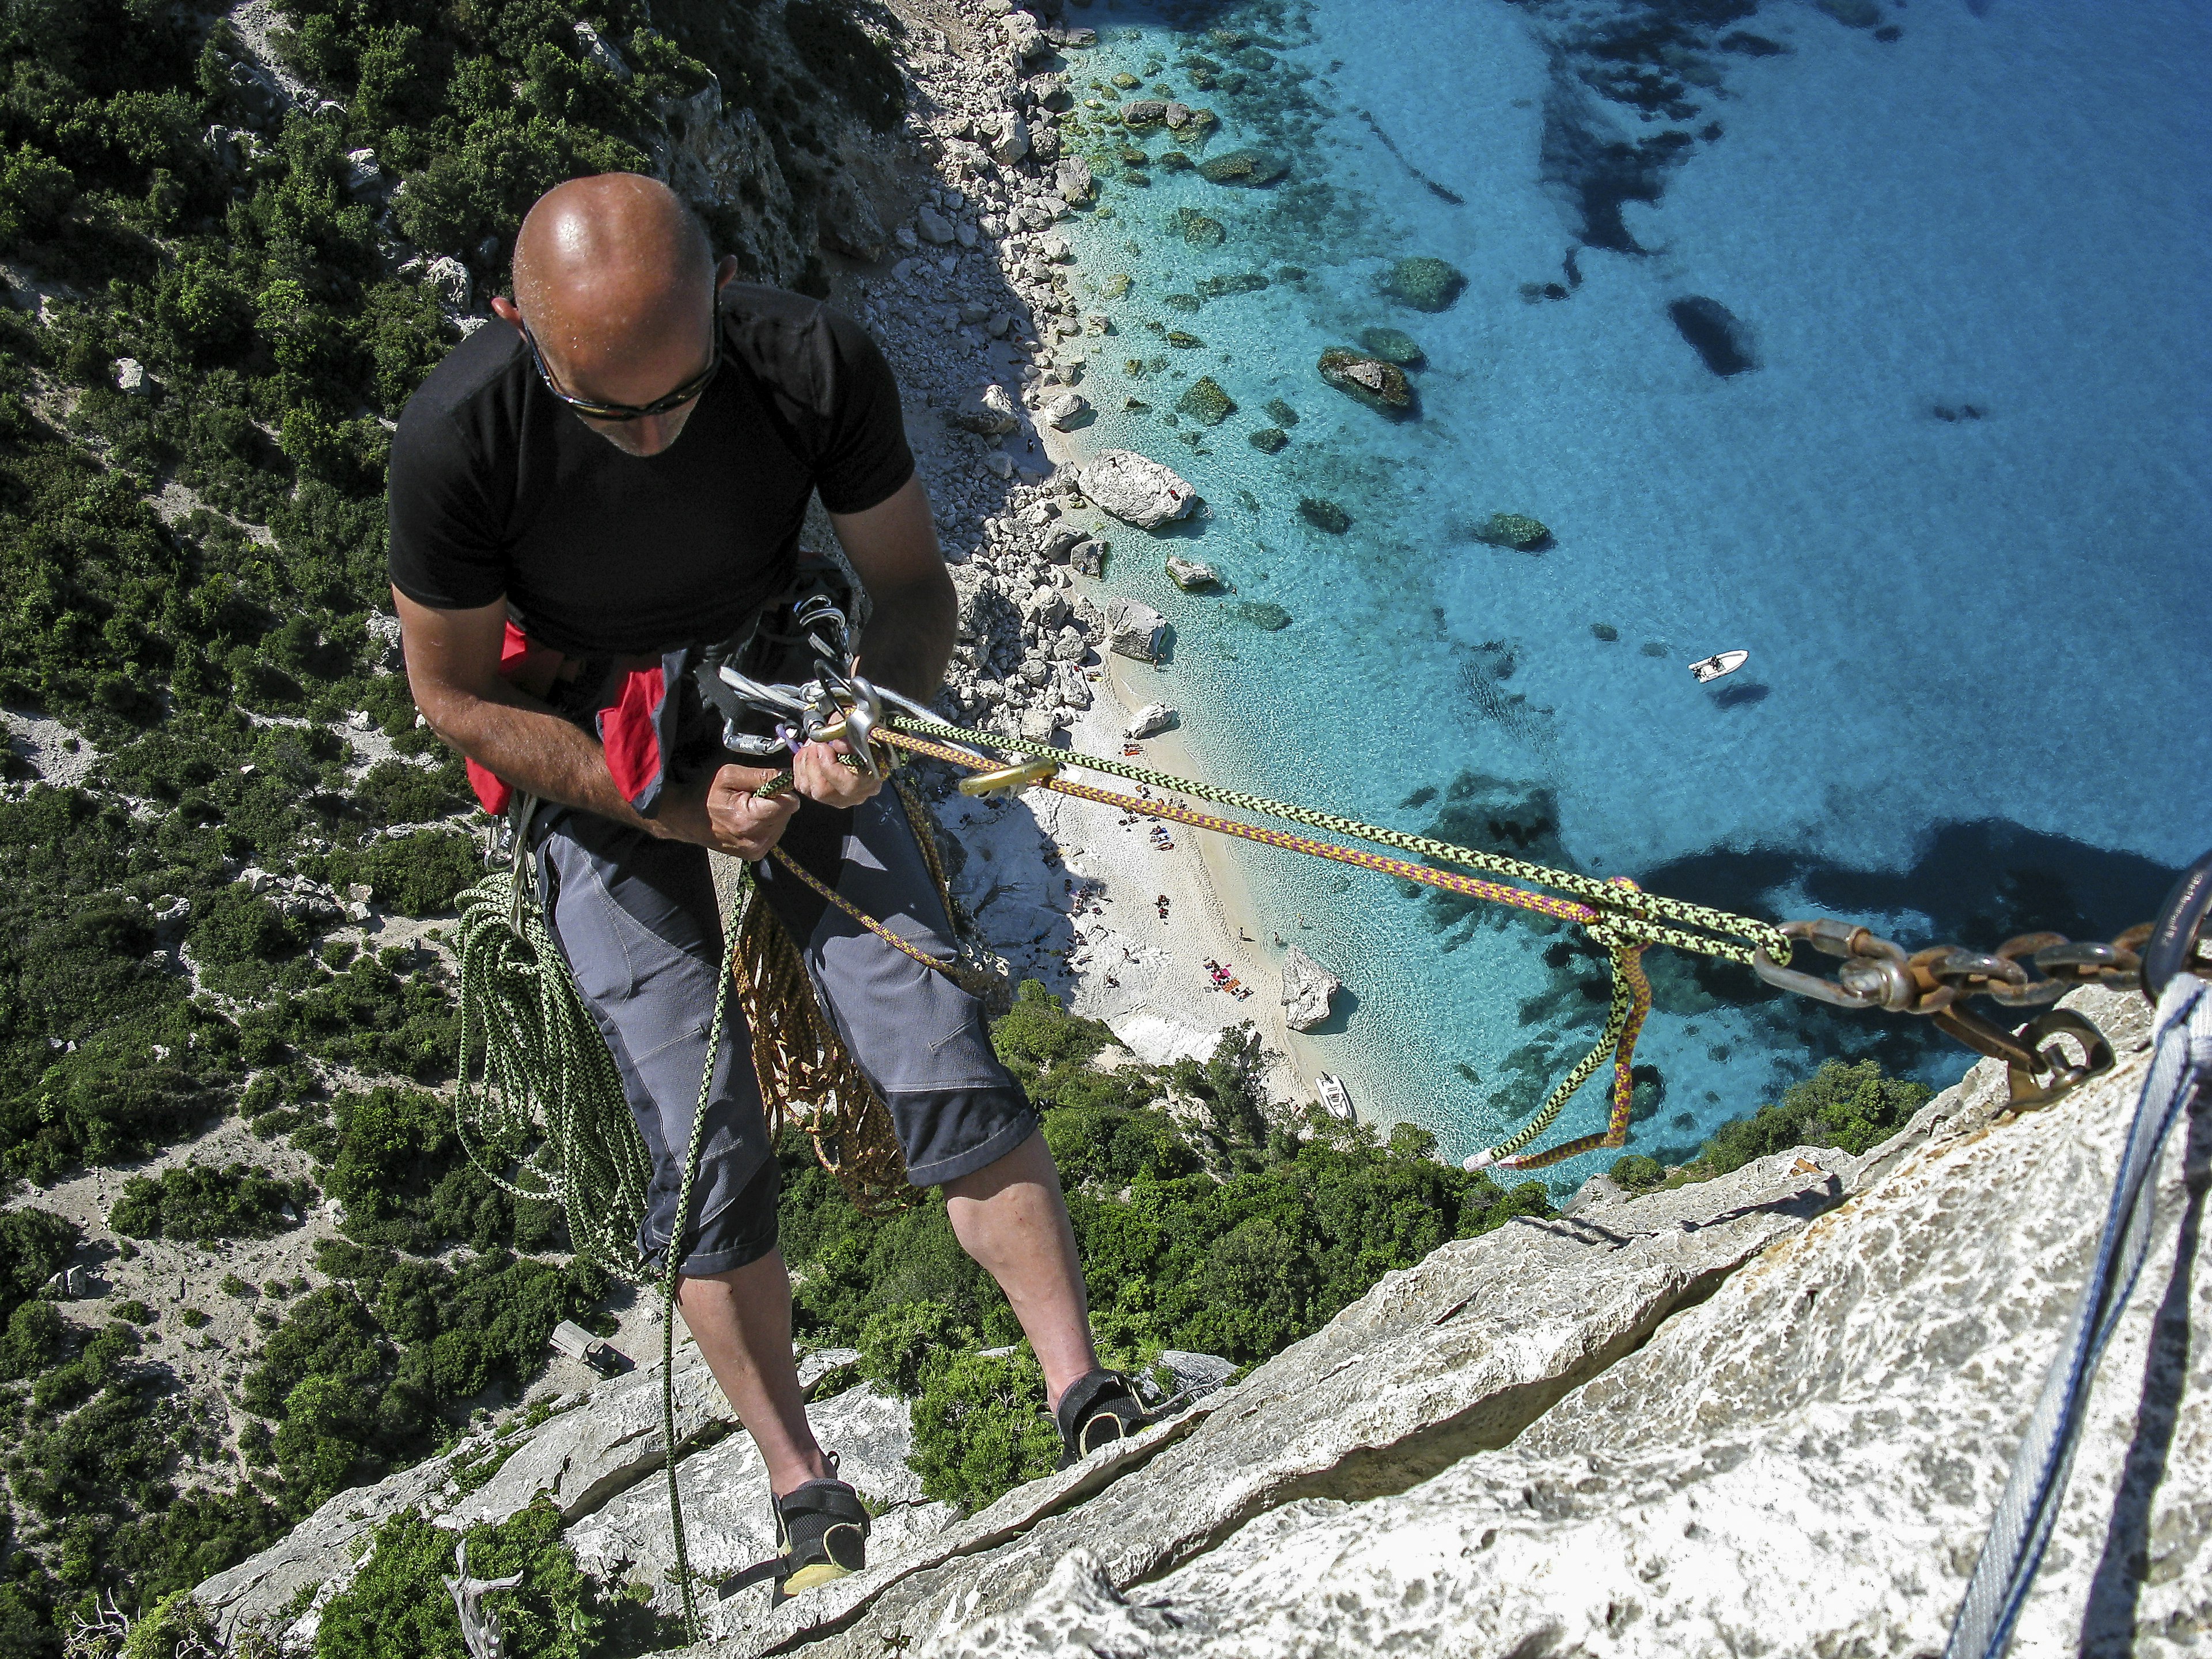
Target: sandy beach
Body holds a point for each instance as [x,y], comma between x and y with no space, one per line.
[1064,889]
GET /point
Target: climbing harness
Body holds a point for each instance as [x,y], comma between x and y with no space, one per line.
[2181,1066]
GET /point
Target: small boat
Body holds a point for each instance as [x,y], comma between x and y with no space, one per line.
[1725,662]
[1335,1095]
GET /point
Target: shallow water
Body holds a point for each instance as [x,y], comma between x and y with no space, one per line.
[1955,509]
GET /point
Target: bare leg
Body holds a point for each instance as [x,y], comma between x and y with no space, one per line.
[741,1320]
[1010,1216]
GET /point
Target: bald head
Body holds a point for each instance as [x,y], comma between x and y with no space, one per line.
[601,261]
[616,280]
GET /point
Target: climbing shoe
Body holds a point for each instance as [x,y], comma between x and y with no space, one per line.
[821,1534]
[1096,1411]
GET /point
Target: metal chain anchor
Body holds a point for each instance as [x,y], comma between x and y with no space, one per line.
[2028,971]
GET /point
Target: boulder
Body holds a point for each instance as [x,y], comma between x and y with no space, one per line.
[1038,726]
[1308,989]
[1145,113]
[1151,721]
[1134,629]
[1250,168]
[130,376]
[1205,401]
[1065,410]
[1190,575]
[1071,179]
[449,279]
[364,176]
[1424,283]
[1137,490]
[1047,608]
[848,219]
[1378,384]
[1176,115]
[987,413]
[1195,228]
[596,49]
[931,227]
[1010,141]
[1515,530]
[1324,515]
[1088,557]
[1024,38]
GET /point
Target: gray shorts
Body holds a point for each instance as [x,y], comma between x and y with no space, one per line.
[639,922]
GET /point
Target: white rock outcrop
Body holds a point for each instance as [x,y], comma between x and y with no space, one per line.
[1137,490]
[1771,1413]
[1308,989]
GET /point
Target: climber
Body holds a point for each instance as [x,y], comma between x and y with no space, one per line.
[613,472]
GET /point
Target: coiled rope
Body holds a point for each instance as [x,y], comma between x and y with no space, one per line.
[534,1068]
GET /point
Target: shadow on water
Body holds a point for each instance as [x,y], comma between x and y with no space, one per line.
[1978,883]
[1741,696]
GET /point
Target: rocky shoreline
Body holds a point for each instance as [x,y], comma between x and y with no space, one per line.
[974,299]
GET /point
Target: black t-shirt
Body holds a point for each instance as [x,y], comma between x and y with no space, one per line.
[497,489]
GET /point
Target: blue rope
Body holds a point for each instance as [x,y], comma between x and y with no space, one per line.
[2021,1528]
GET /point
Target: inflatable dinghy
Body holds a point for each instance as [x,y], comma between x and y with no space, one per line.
[1712,668]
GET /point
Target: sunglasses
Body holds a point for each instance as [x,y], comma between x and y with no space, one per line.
[591,409]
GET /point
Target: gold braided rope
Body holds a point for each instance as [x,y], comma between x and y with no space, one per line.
[806,1077]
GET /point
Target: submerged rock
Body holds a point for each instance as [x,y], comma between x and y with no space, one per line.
[1425,283]
[1136,490]
[1324,515]
[1241,282]
[1268,439]
[1197,229]
[1281,413]
[1190,575]
[1268,617]
[1515,530]
[1308,989]
[1714,333]
[1852,14]
[1374,382]
[1392,345]
[1252,168]
[1206,402]
[1145,113]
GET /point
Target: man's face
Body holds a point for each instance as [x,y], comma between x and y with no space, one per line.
[643,372]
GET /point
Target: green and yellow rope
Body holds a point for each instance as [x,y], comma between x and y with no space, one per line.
[1616,913]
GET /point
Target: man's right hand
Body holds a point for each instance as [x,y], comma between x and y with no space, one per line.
[727,815]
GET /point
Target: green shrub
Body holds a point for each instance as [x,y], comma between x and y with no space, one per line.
[397,1606]
[200,1204]
[134,1312]
[897,1344]
[980,1428]
[34,1340]
[34,1246]
[1852,1108]
[848,61]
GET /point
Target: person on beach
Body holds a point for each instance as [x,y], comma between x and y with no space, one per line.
[612,473]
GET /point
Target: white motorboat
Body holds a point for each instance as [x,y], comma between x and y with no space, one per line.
[1335,1095]
[1724,662]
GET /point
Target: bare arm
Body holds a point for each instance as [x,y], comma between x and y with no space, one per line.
[452,668]
[909,639]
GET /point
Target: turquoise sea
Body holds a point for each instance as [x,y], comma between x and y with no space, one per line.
[1950,498]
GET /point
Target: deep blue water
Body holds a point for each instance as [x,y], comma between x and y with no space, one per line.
[1954,508]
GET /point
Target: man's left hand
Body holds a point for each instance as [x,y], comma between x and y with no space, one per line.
[827,773]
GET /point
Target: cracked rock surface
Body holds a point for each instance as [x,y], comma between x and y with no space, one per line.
[1770,1413]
